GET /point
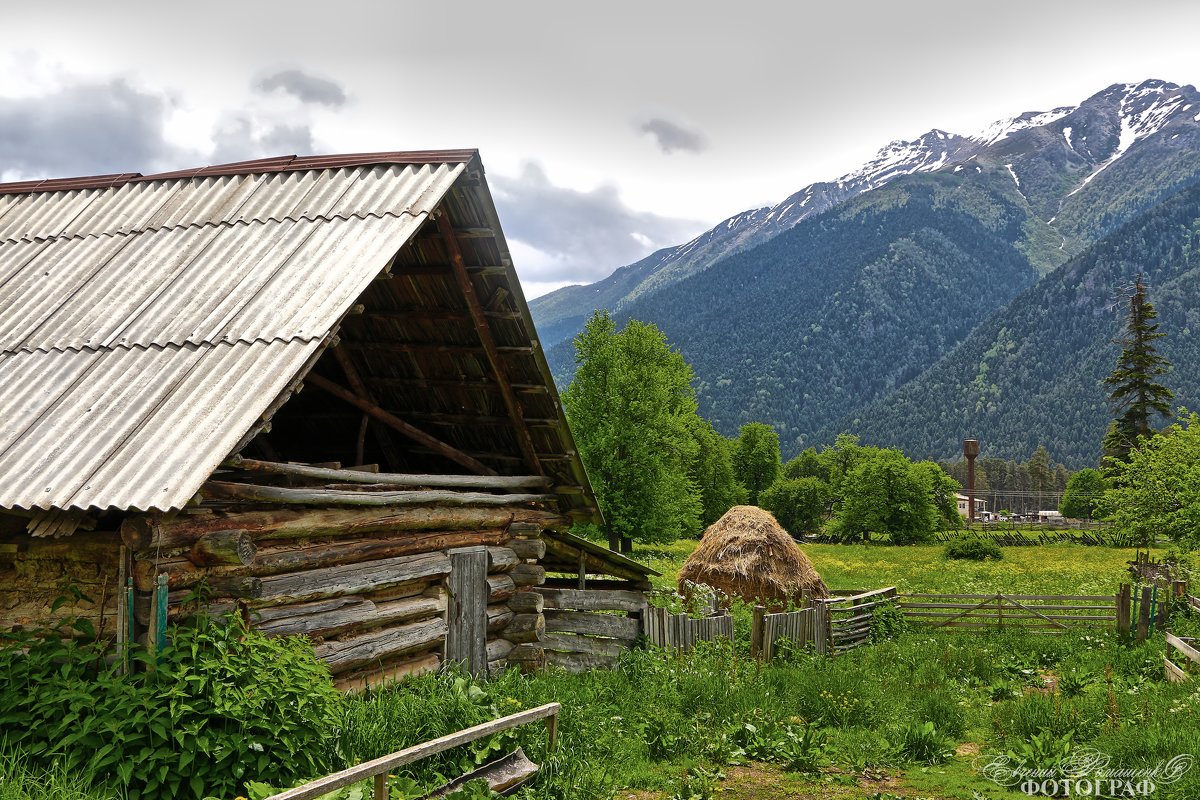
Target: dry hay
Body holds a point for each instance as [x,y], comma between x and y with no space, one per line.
[747,554]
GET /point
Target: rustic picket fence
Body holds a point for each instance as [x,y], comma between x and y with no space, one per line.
[682,631]
[830,625]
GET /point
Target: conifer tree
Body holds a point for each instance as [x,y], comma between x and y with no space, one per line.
[1136,396]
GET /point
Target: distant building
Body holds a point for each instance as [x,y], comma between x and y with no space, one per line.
[980,506]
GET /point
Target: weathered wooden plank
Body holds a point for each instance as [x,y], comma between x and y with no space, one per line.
[379,645]
[571,643]
[150,534]
[1183,647]
[358,615]
[1174,673]
[220,490]
[376,677]
[593,599]
[355,578]
[490,482]
[466,641]
[280,558]
[579,662]
[593,624]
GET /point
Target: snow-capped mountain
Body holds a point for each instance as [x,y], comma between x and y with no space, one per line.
[1053,157]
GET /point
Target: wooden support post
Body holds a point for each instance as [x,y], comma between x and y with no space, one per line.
[381,792]
[360,388]
[399,425]
[582,570]
[1143,623]
[756,632]
[482,328]
[1124,609]
[552,733]
[466,613]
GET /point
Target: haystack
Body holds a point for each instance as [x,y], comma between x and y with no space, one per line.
[747,554]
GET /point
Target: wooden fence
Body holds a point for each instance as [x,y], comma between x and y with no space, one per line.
[850,617]
[1175,647]
[830,626]
[380,768]
[682,631]
[1044,613]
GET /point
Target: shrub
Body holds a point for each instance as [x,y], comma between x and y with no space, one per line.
[221,705]
[974,550]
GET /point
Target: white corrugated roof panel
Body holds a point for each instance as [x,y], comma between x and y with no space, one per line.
[144,328]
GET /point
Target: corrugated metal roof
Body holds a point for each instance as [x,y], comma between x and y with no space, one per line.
[146,324]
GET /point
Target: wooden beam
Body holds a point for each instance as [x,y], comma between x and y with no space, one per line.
[448,314]
[472,419]
[524,440]
[435,347]
[397,424]
[218,490]
[356,383]
[448,383]
[491,482]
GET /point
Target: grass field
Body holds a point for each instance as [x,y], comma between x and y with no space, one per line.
[1046,569]
[914,717]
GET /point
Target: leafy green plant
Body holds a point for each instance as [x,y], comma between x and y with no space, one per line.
[1074,682]
[218,707]
[1043,751]
[697,784]
[974,550]
[887,622]
[921,742]
[801,748]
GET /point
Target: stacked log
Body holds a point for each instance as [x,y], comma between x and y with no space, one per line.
[588,628]
[527,624]
[365,579]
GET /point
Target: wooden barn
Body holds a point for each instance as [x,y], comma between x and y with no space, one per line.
[306,389]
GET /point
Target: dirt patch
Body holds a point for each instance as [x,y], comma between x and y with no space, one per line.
[967,749]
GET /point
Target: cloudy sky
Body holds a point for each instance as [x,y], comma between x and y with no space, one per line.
[608,130]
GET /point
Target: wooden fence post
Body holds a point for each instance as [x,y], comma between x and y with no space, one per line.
[466,611]
[1143,623]
[1123,609]
[756,632]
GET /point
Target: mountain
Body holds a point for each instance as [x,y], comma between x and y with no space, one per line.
[802,325]
[1034,372]
[559,315]
[1051,156]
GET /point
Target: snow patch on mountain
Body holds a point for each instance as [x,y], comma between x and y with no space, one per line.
[1003,128]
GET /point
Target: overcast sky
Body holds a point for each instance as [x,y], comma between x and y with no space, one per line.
[608,130]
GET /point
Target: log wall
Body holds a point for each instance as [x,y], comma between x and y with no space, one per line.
[367,586]
[587,628]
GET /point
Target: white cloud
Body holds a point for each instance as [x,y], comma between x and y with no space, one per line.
[564,234]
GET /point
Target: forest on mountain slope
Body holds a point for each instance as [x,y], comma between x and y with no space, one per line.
[846,306]
[1034,372]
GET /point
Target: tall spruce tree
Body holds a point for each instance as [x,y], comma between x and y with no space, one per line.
[1136,396]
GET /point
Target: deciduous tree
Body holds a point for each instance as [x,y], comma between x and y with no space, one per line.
[756,458]
[632,410]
